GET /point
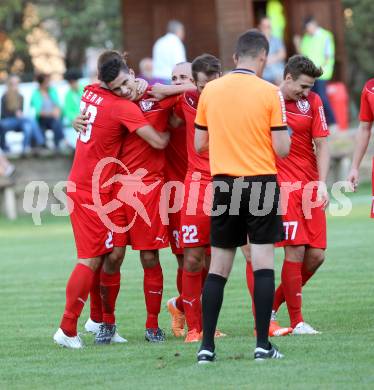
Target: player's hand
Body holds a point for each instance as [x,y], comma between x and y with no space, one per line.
[323,195]
[165,136]
[141,86]
[80,123]
[353,179]
[159,91]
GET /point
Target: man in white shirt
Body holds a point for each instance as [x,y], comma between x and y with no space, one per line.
[168,51]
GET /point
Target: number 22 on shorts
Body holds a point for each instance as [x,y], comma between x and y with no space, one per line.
[189,234]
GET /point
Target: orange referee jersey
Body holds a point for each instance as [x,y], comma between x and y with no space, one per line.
[240,110]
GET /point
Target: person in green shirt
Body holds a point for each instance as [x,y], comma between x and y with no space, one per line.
[71,105]
[45,103]
[318,45]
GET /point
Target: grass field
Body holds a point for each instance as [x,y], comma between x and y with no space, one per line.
[36,262]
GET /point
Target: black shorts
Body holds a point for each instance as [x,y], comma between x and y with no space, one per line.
[245,207]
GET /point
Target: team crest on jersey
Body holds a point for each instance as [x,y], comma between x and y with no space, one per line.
[303,105]
[146,105]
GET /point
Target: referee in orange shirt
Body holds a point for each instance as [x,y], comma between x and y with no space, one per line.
[241,119]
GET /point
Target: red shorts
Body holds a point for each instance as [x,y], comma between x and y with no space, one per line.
[195,214]
[92,237]
[174,217]
[142,217]
[300,230]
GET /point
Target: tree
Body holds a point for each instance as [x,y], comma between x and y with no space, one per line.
[359,43]
[82,24]
[76,25]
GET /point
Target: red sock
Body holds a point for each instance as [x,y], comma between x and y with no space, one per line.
[278,297]
[179,301]
[77,290]
[95,298]
[179,280]
[250,284]
[109,289]
[279,293]
[204,274]
[306,275]
[191,299]
[292,286]
[153,285]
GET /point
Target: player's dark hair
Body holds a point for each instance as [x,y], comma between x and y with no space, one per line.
[41,77]
[298,65]
[309,19]
[251,44]
[109,64]
[207,64]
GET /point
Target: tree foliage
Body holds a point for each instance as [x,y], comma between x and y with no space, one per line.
[77,25]
[359,43]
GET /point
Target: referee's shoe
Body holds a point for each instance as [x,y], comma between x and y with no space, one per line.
[263,354]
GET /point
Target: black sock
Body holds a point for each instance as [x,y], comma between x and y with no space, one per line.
[211,304]
[263,299]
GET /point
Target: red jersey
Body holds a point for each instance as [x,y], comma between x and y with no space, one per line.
[186,108]
[176,154]
[110,118]
[367,102]
[137,153]
[307,120]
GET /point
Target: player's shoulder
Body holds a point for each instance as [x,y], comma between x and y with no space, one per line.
[191,98]
[369,86]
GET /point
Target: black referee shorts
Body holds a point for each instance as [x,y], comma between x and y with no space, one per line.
[245,206]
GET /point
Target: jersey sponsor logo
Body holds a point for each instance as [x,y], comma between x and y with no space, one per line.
[303,105]
[146,105]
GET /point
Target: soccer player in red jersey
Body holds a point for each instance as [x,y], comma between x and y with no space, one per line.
[146,236]
[302,176]
[110,120]
[195,220]
[363,136]
[147,167]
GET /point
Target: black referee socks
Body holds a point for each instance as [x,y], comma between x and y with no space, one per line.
[263,299]
[211,305]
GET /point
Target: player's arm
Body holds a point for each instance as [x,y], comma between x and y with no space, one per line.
[161,91]
[156,139]
[201,139]
[362,142]
[323,165]
[280,137]
[281,141]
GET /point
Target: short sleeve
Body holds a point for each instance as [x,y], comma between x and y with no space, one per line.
[278,119]
[366,112]
[319,124]
[201,122]
[130,115]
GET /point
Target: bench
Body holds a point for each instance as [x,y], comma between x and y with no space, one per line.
[8,196]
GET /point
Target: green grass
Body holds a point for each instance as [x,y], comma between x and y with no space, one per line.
[36,262]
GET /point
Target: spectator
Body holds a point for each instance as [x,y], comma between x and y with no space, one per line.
[273,71]
[12,118]
[6,168]
[71,105]
[45,102]
[168,51]
[318,44]
[146,71]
